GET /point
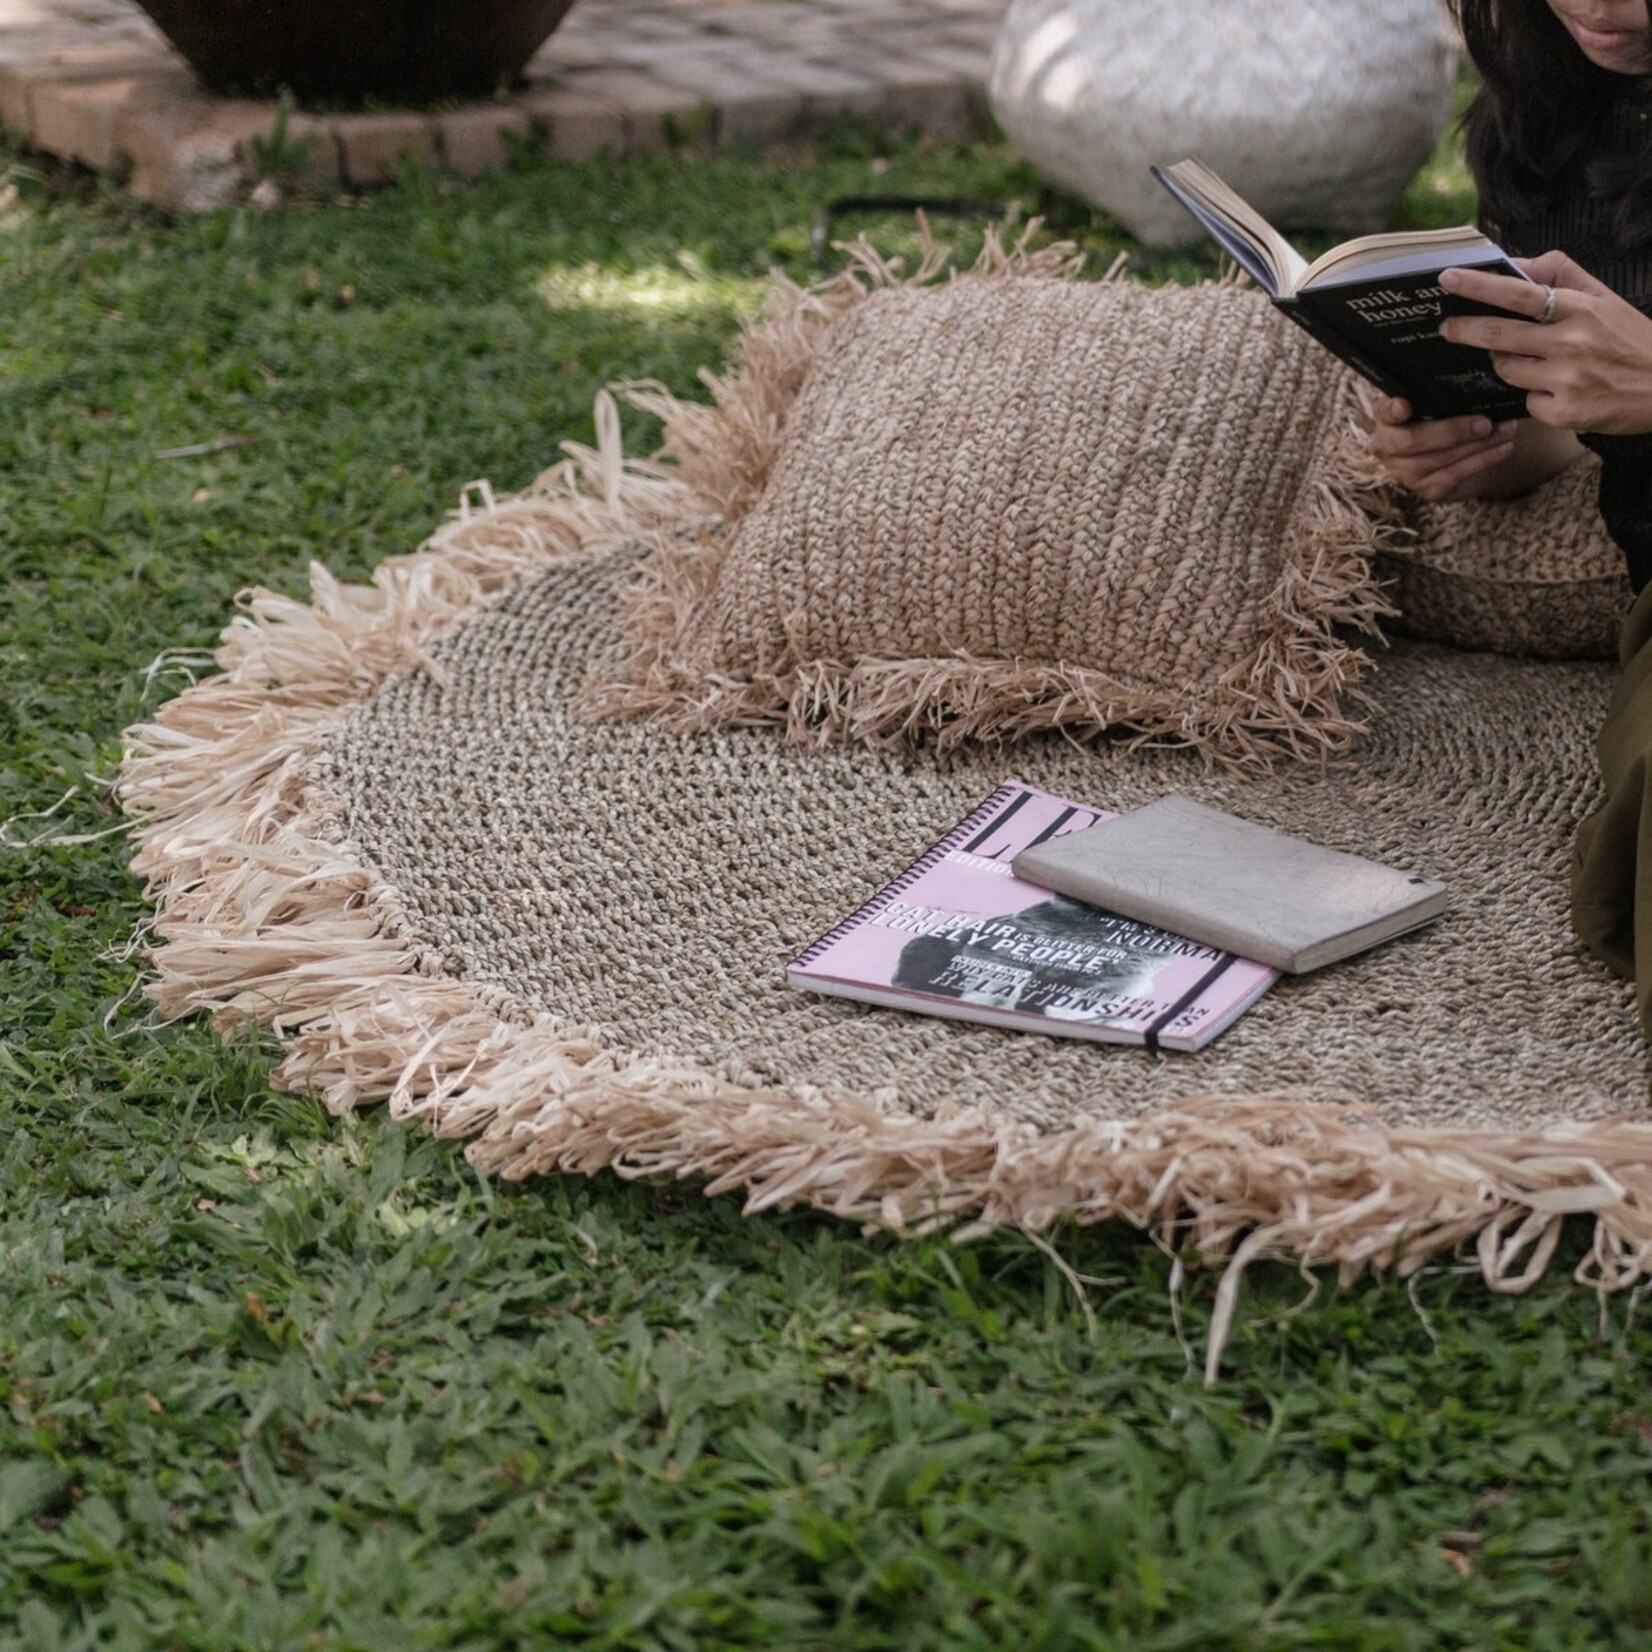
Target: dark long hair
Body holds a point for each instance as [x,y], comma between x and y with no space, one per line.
[1540,104]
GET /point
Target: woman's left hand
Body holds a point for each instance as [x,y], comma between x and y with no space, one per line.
[1588,369]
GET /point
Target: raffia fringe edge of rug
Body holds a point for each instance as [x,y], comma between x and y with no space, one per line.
[265,913]
[1294,694]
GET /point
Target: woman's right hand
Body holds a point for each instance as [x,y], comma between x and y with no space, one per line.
[1440,459]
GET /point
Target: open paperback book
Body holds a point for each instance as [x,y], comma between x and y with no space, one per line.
[958,934]
[1376,302]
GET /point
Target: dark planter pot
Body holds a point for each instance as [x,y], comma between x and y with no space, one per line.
[353,51]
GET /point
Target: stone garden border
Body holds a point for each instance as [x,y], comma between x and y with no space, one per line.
[92,81]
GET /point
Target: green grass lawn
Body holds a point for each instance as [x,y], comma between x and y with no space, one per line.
[274,1381]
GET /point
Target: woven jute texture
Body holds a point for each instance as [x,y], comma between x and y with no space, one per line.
[1015,501]
[1537,576]
[386,828]
[651,887]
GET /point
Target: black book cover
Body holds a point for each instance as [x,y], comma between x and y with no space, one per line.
[1389,330]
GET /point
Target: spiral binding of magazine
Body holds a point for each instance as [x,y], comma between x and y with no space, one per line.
[957,934]
[924,864]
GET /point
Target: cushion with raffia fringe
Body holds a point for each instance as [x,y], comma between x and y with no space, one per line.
[1537,576]
[1008,501]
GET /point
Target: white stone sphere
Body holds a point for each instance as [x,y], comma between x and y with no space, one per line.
[1318,112]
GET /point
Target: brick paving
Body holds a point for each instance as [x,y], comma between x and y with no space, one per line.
[93,81]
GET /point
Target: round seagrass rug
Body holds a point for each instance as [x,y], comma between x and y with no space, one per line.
[386,830]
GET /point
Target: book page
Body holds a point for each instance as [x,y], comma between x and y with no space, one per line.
[1386,257]
[1255,245]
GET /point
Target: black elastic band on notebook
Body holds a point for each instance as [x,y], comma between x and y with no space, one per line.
[1151,1037]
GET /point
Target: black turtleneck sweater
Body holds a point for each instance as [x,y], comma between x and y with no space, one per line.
[1580,225]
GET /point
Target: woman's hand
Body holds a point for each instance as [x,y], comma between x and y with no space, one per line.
[1589,369]
[1440,459]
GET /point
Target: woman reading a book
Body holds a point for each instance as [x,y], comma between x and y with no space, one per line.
[1559,140]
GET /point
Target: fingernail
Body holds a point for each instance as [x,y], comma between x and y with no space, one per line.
[1449,278]
[1481,427]
[1507,426]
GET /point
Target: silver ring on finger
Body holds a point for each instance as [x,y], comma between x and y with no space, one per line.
[1550,300]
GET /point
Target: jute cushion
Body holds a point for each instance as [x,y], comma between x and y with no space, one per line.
[1537,576]
[1008,502]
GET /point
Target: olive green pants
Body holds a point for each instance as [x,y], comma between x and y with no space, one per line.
[1612,866]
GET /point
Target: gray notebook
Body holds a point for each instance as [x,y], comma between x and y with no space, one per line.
[1232,884]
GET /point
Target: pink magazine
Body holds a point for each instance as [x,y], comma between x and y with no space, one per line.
[958,934]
